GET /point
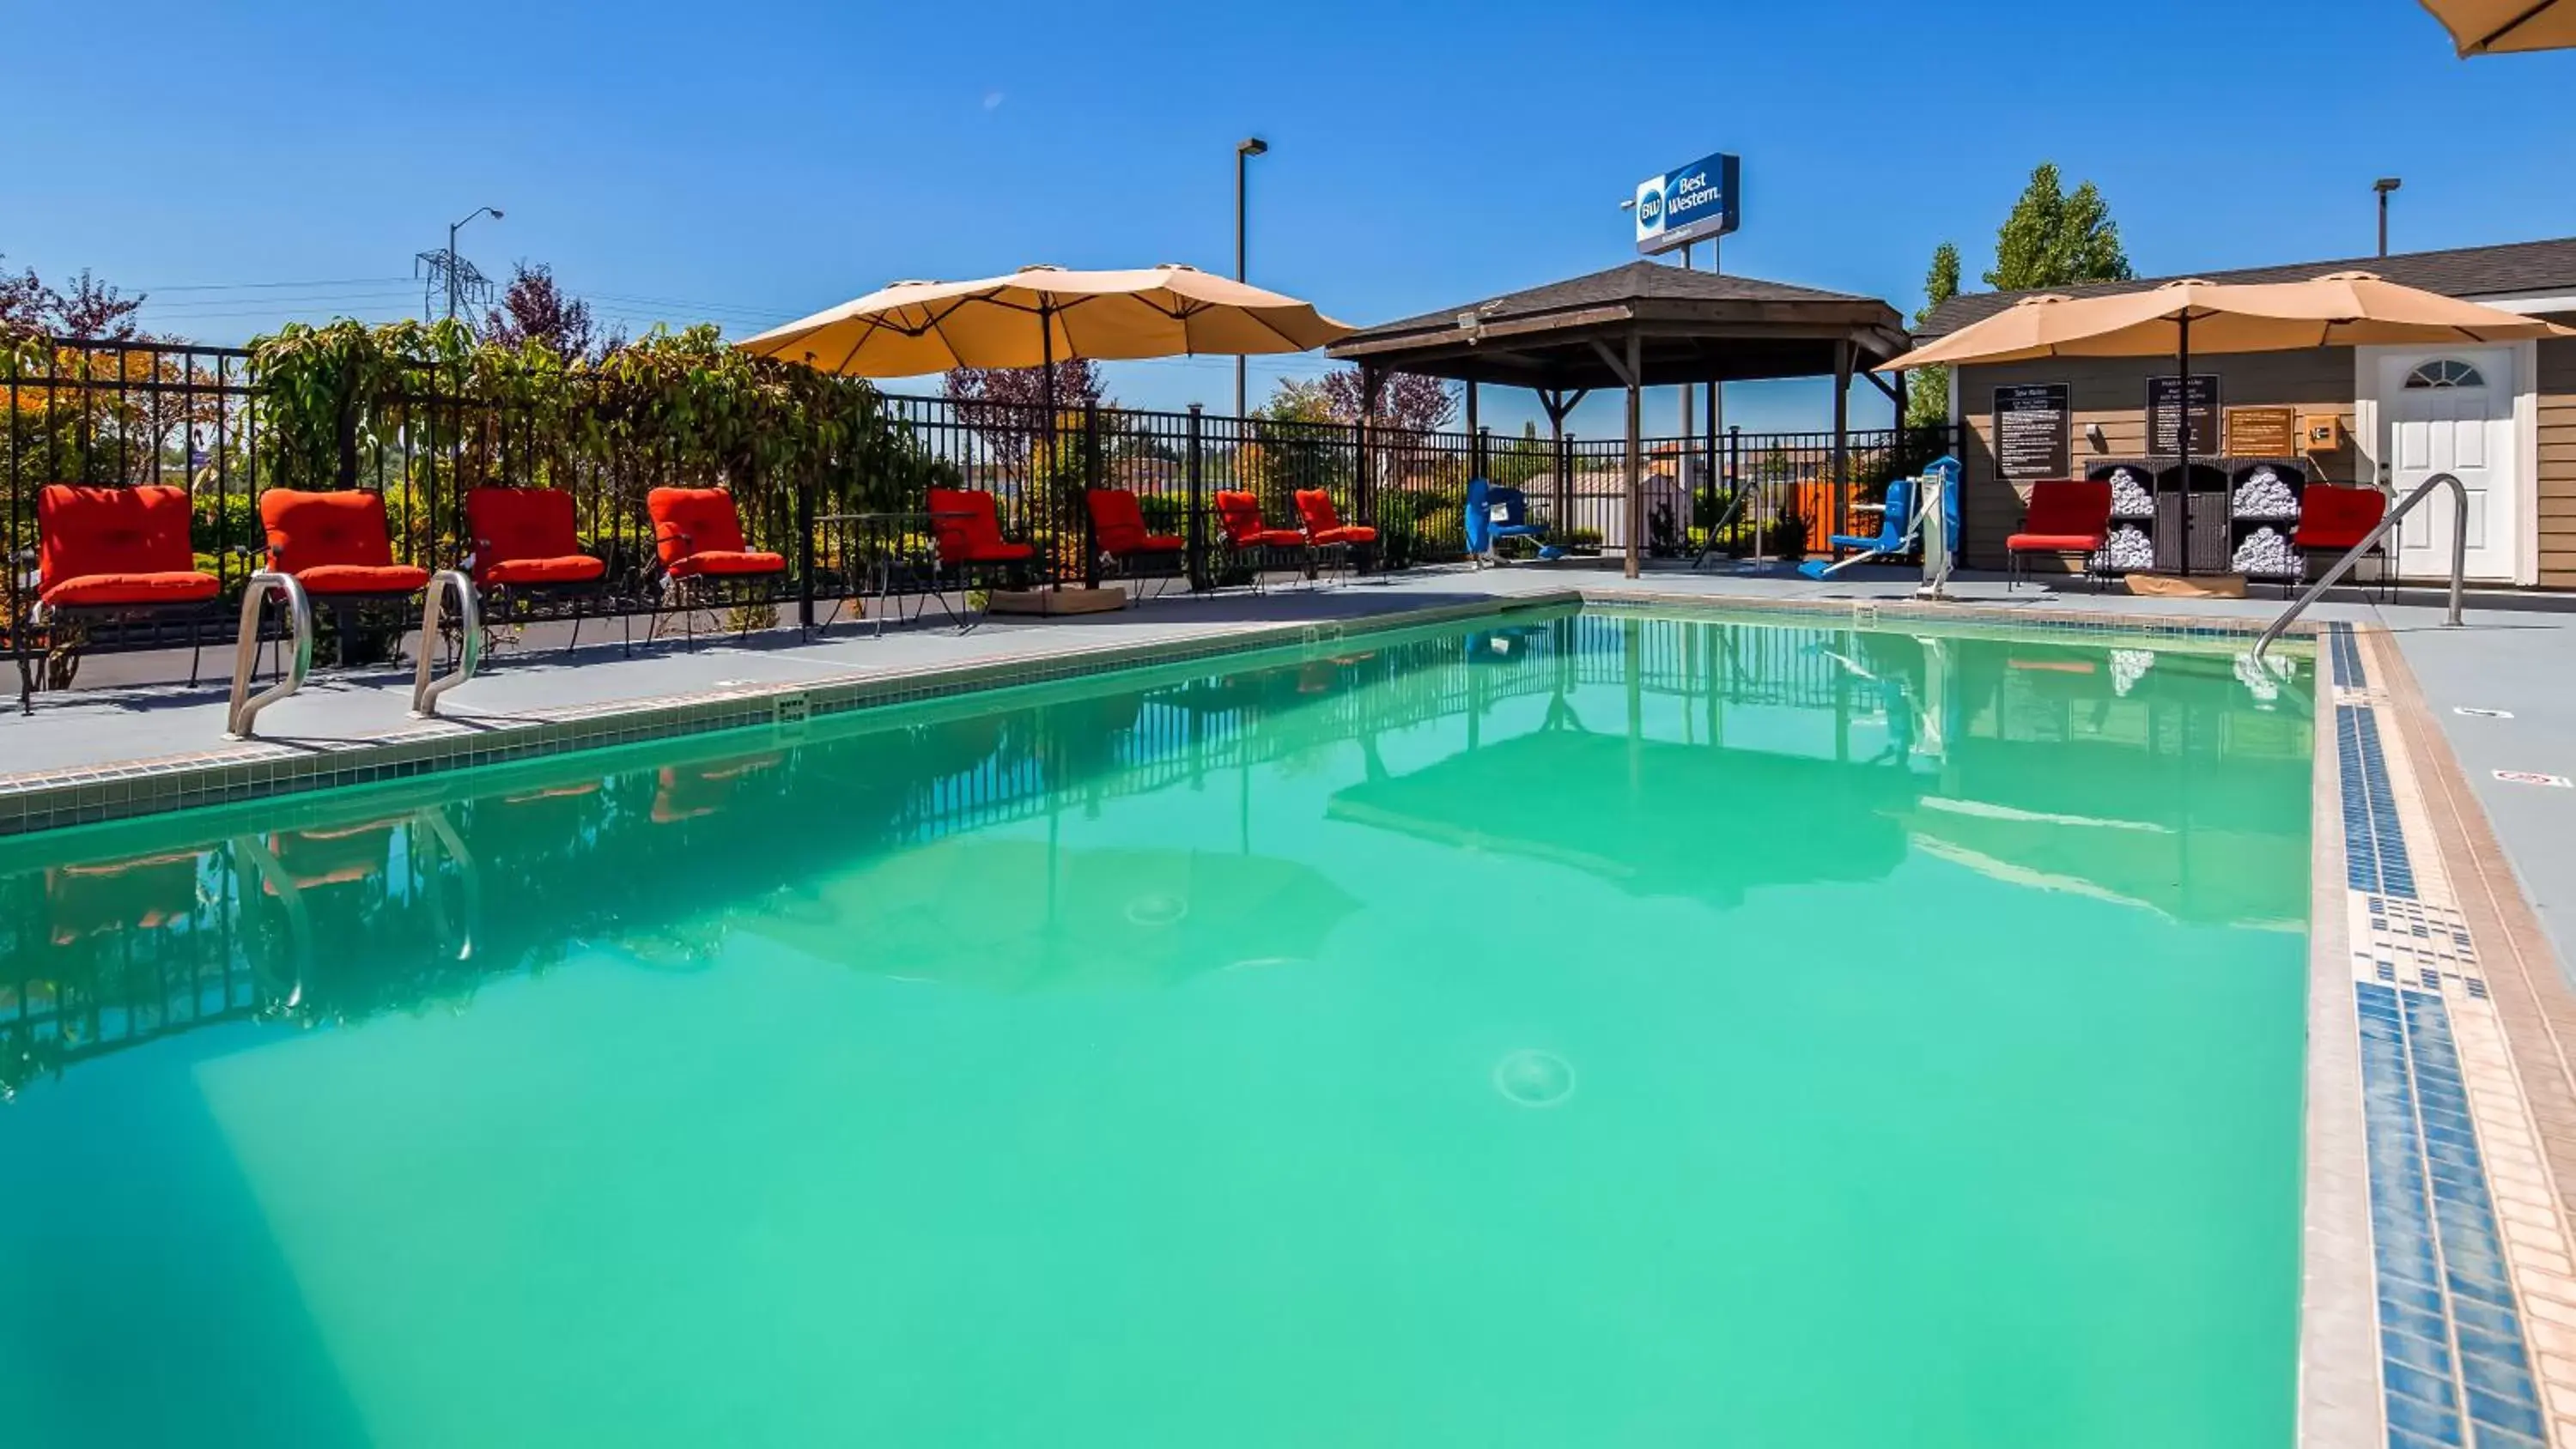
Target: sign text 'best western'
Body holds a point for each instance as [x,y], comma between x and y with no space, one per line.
[1679,207]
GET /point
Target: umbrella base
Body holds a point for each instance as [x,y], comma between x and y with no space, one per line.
[1056,601]
[2199,586]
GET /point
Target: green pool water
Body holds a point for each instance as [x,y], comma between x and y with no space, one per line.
[1568,1030]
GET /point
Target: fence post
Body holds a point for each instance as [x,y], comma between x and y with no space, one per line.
[1749,515]
[1483,448]
[1090,480]
[1195,471]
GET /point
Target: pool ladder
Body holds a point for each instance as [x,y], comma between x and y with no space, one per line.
[2343,565]
[241,717]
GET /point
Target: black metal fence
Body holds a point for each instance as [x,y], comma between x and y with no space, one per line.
[192,417]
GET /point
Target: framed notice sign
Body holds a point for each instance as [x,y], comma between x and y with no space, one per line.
[2165,411]
[2261,432]
[2032,425]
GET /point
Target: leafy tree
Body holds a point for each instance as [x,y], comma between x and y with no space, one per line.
[1927,397]
[2052,239]
[1007,404]
[92,311]
[1404,400]
[537,309]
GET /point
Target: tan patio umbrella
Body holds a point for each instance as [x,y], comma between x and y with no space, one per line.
[2340,309]
[2489,27]
[1039,315]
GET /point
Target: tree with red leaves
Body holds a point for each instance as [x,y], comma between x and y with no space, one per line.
[537,307]
[1405,400]
[1008,404]
[92,311]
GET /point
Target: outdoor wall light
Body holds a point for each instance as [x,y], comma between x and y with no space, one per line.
[2093,438]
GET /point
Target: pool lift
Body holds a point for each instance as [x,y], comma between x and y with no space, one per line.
[1934,509]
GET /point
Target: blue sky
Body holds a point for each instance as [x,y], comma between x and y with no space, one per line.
[748,163]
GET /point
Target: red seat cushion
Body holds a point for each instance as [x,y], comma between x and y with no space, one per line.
[341,530]
[969,530]
[98,591]
[2054,542]
[1315,506]
[691,521]
[362,579]
[2067,514]
[1118,525]
[92,536]
[2333,518]
[527,536]
[1240,515]
[728,561]
[1346,533]
[578,568]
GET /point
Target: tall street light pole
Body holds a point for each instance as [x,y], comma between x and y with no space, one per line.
[452,229]
[2383,186]
[1244,151]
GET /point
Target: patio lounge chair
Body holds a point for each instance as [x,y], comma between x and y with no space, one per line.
[698,536]
[336,545]
[1252,542]
[2067,515]
[2333,520]
[1118,530]
[527,550]
[1496,513]
[114,555]
[1326,534]
[966,525]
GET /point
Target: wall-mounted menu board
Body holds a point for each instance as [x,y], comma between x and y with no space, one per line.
[2164,415]
[2261,432]
[2032,422]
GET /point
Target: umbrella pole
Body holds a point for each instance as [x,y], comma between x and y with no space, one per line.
[2182,432]
[1046,476]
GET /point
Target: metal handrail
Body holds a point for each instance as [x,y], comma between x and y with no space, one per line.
[2343,565]
[426,684]
[245,706]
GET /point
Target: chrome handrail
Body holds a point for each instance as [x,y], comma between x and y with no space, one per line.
[426,684]
[245,706]
[2343,565]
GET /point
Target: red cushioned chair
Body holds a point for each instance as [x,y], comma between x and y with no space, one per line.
[966,524]
[1118,530]
[336,545]
[699,537]
[115,555]
[527,549]
[2067,515]
[1252,542]
[2334,520]
[1326,534]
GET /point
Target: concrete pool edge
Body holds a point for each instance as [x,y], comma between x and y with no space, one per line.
[2439,1094]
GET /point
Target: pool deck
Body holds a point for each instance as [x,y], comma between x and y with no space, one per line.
[2440,1267]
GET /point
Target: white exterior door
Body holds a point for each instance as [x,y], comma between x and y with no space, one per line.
[2453,412]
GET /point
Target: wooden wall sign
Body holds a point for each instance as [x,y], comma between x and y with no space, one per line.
[2262,432]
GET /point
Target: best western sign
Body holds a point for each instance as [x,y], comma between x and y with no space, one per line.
[1679,207]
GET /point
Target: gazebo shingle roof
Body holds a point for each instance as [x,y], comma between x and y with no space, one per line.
[1696,326]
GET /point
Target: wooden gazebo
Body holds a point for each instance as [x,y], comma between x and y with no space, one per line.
[1638,326]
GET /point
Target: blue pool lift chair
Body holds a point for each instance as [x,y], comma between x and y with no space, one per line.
[1495,514]
[1899,533]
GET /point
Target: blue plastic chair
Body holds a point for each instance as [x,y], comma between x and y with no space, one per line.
[1892,523]
[1495,514]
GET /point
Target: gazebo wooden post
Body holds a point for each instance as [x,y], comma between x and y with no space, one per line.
[1364,487]
[1633,564]
[1475,464]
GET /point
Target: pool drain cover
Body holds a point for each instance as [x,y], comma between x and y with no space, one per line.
[1534,1078]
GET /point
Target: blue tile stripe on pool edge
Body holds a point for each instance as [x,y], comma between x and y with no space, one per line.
[2374,840]
[2451,1341]
[2346,649]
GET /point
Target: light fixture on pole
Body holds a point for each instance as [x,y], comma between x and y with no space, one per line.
[454,267]
[1244,151]
[2383,186]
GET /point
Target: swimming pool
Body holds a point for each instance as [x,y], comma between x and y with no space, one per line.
[1572,1028]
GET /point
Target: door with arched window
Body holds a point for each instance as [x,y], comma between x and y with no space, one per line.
[2452,412]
